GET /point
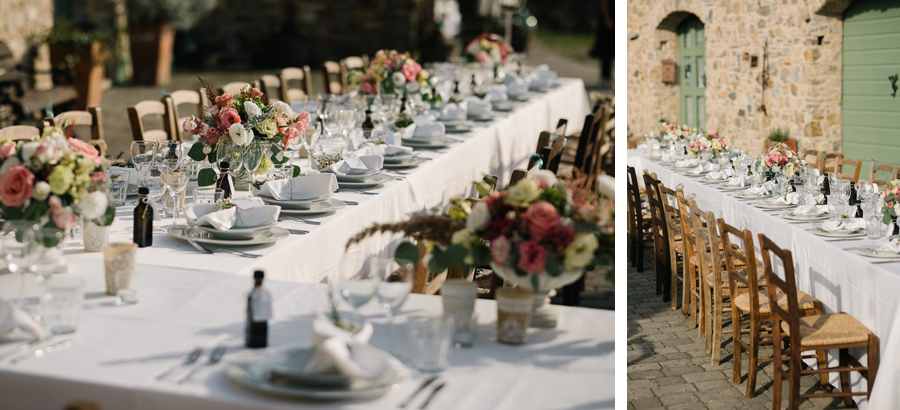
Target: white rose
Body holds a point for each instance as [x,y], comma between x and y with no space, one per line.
[606,185]
[189,125]
[479,218]
[546,177]
[284,108]
[93,205]
[28,149]
[252,109]
[239,135]
[41,190]
[580,252]
[398,79]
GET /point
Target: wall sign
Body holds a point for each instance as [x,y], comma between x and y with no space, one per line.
[667,71]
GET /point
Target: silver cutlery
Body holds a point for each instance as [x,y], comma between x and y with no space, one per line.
[42,351]
[431,396]
[188,360]
[421,387]
[356,191]
[237,252]
[214,357]
[881,262]
[306,221]
[297,231]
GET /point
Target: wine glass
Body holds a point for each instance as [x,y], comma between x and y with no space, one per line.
[393,288]
[17,239]
[151,177]
[310,140]
[252,158]
[357,282]
[175,183]
[142,152]
[346,119]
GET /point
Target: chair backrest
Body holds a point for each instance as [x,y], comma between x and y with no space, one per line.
[353,62]
[657,217]
[204,98]
[136,114]
[92,117]
[778,287]
[552,154]
[744,256]
[303,80]
[332,74]
[604,148]
[854,175]
[687,226]
[270,85]
[874,168]
[585,147]
[19,132]
[707,246]
[668,196]
[815,159]
[829,162]
[233,88]
[177,99]
[561,126]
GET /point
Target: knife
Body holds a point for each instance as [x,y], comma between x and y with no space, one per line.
[42,351]
[431,396]
[197,246]
[424,384]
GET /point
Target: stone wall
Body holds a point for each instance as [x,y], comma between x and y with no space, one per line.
[804,62]
[22,20]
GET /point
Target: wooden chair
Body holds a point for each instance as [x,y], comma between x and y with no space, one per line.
[233,88]
[298,75]
[136,114]
[839,168]
[92,117]
[204,98]
[659,228]
[638,227]
[270,85]
[830,161]
[605,146]
[177,99]
[690,267]
[812,333]
[334,77]
[19,132]
[750,304]
[351,63]
[552,155]
[676,246]
[815,159]
[712,292]
[874,168]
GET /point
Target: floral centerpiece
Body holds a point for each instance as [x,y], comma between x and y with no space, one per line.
[707,142]
[780,160]
[51,180]
[488,50]
[235,122]
[891,199]
[388,72]
[670,133]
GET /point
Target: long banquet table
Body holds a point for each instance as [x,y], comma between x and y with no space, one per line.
[495,148]
[826,269]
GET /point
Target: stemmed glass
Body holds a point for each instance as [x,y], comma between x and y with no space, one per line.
[175,183]
[251,159]
[142,153]
[394,285]
[357,282]
[152,178]
[346,119]
[17,239]
[310,140]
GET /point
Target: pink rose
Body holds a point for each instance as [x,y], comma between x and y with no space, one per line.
[254,92]
[532,256]
[16,186]
[500,248]
[78,145]
[7,149]
[224,100]
[290,136]
[411,70]
[541,218]
[98,177]
[562,236]
[367,88]
[228,117]
[63,217]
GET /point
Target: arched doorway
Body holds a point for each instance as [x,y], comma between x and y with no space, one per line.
[870,106]
[692,71]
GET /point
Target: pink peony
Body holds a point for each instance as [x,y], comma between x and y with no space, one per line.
[411,70]
[302,122]
[290,136]
[532,256]
[228,117]
[224,100]
[541,218]
[7,149]
[500,248]
[78,145]
[16,186]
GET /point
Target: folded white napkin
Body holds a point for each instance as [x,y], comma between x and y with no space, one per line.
[453,112]
[383,150]
[844,225]
[736,181]
[720,175]
[357,165]
[479,108]
[396,136]
[496,94]
[426,128]
[515,86]
[684,163]
[234,217]
[762,190]
[13,318]
[300,188]
[337,350]
[788,199]
[810,210]
[888,245]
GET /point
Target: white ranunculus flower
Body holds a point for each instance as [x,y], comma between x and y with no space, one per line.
[41,190]
[239,135]
[189,125]
[546,177]
[479,218]
[268,127]
[398,79]
[580,252]
[252,109]
[606,185]
[93,205]
[284,108]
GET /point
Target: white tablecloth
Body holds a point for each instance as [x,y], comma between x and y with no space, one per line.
[829,271]
[118,351]
[494,148]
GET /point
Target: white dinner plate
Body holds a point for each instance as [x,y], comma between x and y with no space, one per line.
[396,159]
[875,253]
[841,234]
[732,188]
[366,176]
[435,144]
[503,105]
[486,116]
[236,233]
[750,195]
[805,218]
[459,127]
[322,207]
[406,164]
[273,234]
[370,182]
[295,203]
[684,168]
[772,205]
[525,96]
[288,364]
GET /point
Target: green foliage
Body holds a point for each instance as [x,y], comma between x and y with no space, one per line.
[278,156]
[406,251]
[555,197]
[779,134]
[77,36]
[206,177]
[196,152]
[107,218]
[296,172]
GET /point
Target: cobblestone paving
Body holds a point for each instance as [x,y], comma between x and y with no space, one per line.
[668,367]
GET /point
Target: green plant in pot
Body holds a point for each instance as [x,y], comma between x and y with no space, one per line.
[80,51]
[152,25]
[782,135]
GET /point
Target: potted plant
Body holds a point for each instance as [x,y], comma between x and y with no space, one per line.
[782,135]
[151,27]
[81,52]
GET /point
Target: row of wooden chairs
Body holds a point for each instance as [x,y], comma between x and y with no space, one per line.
[836,162]
[717,266]
[91,118]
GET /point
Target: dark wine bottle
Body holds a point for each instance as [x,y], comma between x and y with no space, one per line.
[259,311]
[173,148]
[368,125]
[826,189]
[225,181]
[403,103]
[143,219]
[896,228]
[852,200]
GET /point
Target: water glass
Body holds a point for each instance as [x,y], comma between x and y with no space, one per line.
[358,280]
[465,330]
[429,342]
[118,191]
[61,306]
[873,226]
[208,195]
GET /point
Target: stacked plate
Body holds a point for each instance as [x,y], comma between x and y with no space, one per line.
[311,206]
[402,161]
[433,142]
[874,252]
[259,235]
[282,371]
[370,179]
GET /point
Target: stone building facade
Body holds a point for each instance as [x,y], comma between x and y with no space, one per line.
[22,21]
[804,42]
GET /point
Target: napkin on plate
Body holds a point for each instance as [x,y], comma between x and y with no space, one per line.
[515,86]
[736,181]
[684,163]
[12,318]
[810,210]
[844,225]
[453,112]
[720,175]
[357,165]
[246,213]
[788,199]
[478,108]
[426,128]
[335,351]
[300,188]
[762,190]
[496,94]
[888,245]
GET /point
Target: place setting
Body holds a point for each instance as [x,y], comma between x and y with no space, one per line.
[428,135]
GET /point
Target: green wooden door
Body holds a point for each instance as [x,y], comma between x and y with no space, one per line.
[871,115]
[692,71]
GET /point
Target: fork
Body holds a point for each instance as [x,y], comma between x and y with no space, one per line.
[231,251]
[357,191]
[306,221]
[188,360]
[214,357]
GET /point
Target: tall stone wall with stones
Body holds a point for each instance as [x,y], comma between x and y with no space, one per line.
[804,63]
[22,20]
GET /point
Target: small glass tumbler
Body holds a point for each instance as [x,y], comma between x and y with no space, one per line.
[118,190]
[208,195]
[61,305]
[119,260]
[465,331]
[429,342]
